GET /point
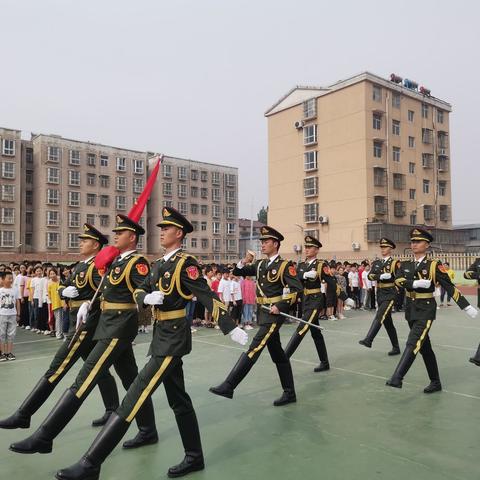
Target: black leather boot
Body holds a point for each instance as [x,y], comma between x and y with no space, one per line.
[286,379]
[145,436]
[36,398]
[372,333]
[323,367]
[238,373]
[41,441]
[293,344]
[392,334]
[109,392]
[100,422]
[476,358]
[432,369]
[394,351]
[403,366]
[190,434]
[88,467]
[319,342]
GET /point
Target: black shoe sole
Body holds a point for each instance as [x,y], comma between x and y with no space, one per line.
[142,444]
[392,354]
[475,362]
[90,477]
[365,344]
[196,468]
[276,404]
[394,385]
[29,452]
[4,427]
[323,369]
[221,394]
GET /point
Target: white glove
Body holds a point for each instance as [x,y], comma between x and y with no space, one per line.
[70,292]
[421,283]
[311,274]
[471,311]
[154,298]
[238,335]
[385,276]
[82,313]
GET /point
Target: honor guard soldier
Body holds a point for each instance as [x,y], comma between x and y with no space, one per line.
[117,327]
[277,288]
[311,273]
[79,288]
[473,273]
[383,272]
[174,280]
[419,277]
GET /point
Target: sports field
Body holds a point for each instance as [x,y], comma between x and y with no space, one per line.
[346,423]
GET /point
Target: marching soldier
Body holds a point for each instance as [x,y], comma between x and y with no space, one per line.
[383,272]
[311,273]
[419,277]
[274,275]
[175,279]
[79,288]
[473,273]
[117,327]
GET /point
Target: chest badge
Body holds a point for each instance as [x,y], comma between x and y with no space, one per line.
[117,270]
[166,275]
[274,272]
[142,269]
[424,272]
[82,274]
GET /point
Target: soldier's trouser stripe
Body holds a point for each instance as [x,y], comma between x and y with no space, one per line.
[68,358]
[263,342]
[310,320]
[151,384]
[96,368]
[422,336]
[390,305]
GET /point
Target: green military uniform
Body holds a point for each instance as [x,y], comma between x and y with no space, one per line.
[421,310]
[86,279]
[312,304]
[178,277]
[114,334]
[272,278]
[473,273]
[386,295]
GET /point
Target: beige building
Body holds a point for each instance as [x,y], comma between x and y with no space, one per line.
[362,158]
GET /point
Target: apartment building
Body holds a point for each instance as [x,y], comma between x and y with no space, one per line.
[363,158]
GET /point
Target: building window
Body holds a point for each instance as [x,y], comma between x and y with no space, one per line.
[73,219]
[427,160]
[231,245]
[120,202]
[411,167]
[230,228]
[74,158]
[428,212]
[73,199]
[424,110]
[411,115]
[216,228]
[104,220]
[396,99]
[104,160]
[444,213]
[204,243]
[121,184]
[442,164]
[311,233]
[121,164]
[138,166]
[183,208]
[91,159]
[194,191]
[168,203]
[379,176]
[411,194]
[204,192]
[204,209]
[8,170]
[427,135]
[413,219]
[310,135]
[53,239]
[8,147]
[53,196]
[195,225]
[53,154]
[8,215]
[182,173]
[182,190]
[167,189]
[395,127]
[52,218]
[231,212]
[91,218]
[377,149]
[167,171]
[91,199]
[215,194]
[194,174]
[380,205]
[203,226]
[411,142]
[230,196]
[193,243]
[203,176]
[104,181]
[442,140]
[230,180]
[442,188]
[396,154]
[104,201]
[215,178]
[376,93]
[73,240]
[310,108]
[91,179]
[29,197]
[399,208]
[29,218]
[29,155]
[310,186]
[440,116]
[7,238]
[29,177]
[398,181]
[53,175]
[8,193]
[216,244]
[310,212]
[216,211]
[194,209]
[426,186]
[377,121]
[310,160]
[137,185]
[73,178]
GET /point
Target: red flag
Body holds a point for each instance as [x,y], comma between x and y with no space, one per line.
[106,255]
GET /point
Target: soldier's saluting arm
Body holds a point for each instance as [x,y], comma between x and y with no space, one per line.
[473,271]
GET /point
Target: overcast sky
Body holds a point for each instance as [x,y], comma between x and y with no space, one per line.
[194,78]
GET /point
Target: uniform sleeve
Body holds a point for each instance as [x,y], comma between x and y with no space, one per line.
[191,278]
[96,277]
[402,278]
[246,270]
[139,273]
[66,283]
[374,274]
[473,271]
[295,286]
[442,277]
[146,286]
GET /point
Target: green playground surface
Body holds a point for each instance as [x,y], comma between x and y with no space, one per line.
[346,423]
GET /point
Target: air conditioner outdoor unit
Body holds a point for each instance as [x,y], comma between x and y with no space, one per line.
[299,124]
[323,219]
[297,248]
[355,246]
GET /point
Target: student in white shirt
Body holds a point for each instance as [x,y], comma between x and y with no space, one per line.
[236,297]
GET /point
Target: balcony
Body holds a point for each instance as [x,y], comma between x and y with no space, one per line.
[427,160]
[380,205]
[379,177]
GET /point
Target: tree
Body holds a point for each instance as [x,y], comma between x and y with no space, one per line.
[262,215]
